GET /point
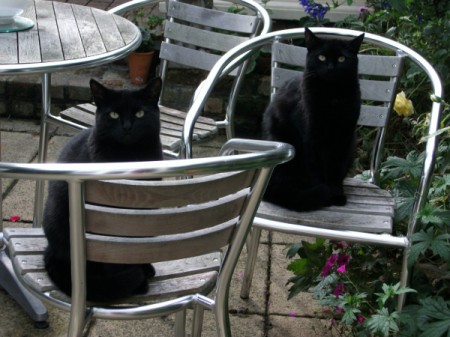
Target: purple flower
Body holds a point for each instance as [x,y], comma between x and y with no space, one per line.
[343,259]
[360,319]
[314,10]
[339,290]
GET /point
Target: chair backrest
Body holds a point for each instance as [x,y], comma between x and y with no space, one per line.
[378,82]
[242,52]
[144,208]
[196,37]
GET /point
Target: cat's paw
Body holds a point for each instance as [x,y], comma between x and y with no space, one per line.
[339,200]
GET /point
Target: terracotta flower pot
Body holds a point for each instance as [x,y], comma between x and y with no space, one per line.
[139,64]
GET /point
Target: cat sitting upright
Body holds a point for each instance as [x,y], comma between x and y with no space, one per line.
[317,114]
[127,129]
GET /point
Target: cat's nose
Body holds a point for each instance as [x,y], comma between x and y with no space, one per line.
[126,125]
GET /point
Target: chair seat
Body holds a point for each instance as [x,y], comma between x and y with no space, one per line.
[368,209]
[172,122]
[173,278]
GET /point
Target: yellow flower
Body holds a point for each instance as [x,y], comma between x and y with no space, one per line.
[403,106]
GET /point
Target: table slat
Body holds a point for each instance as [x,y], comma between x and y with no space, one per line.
[51,48]
[108,29]
[68,32]
[90,35]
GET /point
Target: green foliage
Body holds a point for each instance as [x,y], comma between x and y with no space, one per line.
[364,295]
[151,27]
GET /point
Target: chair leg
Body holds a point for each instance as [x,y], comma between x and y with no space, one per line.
[180,323]
[404,278]
[252,252]
[197,321]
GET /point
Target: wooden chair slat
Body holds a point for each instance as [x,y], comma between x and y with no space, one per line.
[202,38]
[141,194]
[212,18]
[114,221]
[330,219]
[103,248]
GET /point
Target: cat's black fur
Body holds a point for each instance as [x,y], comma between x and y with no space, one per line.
[317,114]
[127,129]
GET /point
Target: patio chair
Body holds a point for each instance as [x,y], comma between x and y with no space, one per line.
[369,213]
[192,233]
[195,38]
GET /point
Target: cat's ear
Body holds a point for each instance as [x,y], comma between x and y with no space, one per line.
[153,88]
[98,91]
[355,44]
[311,40]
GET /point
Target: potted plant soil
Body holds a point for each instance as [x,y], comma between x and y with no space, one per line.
[140,60]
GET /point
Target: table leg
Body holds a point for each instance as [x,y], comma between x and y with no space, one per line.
[8,280]
[42,151]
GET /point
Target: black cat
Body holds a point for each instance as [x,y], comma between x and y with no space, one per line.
[126,129]
[317,114]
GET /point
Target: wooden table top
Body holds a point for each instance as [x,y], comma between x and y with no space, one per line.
[66,36]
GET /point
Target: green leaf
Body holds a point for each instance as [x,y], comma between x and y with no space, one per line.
[383,322]
[434,317]
[299,267]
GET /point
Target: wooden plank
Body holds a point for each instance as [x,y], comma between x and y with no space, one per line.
[289,54]
[326,218]
[8,48]
[203,38]
[128,34]
[190,57]
[213,18]
[112,38]
[188,266]
[161,194]
[51,48]
[28,40]
[68,32]
[26,245]
[103,248]
[200,283]
[90,35]
[375,116]
[167,221]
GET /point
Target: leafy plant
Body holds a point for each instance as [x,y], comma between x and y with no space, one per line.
[151,27]
[364,295]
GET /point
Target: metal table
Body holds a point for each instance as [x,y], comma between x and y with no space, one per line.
[65,37]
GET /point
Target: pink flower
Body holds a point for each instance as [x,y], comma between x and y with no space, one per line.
[14,218]
[292,314]
[360,319]
[339,290]
[328,265]
[339,310]
[342,269]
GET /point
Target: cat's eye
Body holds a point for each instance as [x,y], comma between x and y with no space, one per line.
[140,114]
[113,115]
[322,58]
[341,59]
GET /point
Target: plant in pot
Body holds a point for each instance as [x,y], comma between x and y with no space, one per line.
[140,60]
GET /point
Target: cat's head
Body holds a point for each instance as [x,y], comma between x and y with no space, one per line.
[127,116]
[332,59]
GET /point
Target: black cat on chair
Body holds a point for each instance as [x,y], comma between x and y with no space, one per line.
[317,114]
[126,129]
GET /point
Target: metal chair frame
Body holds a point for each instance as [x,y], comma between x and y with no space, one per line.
[236,56]
[254,158]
